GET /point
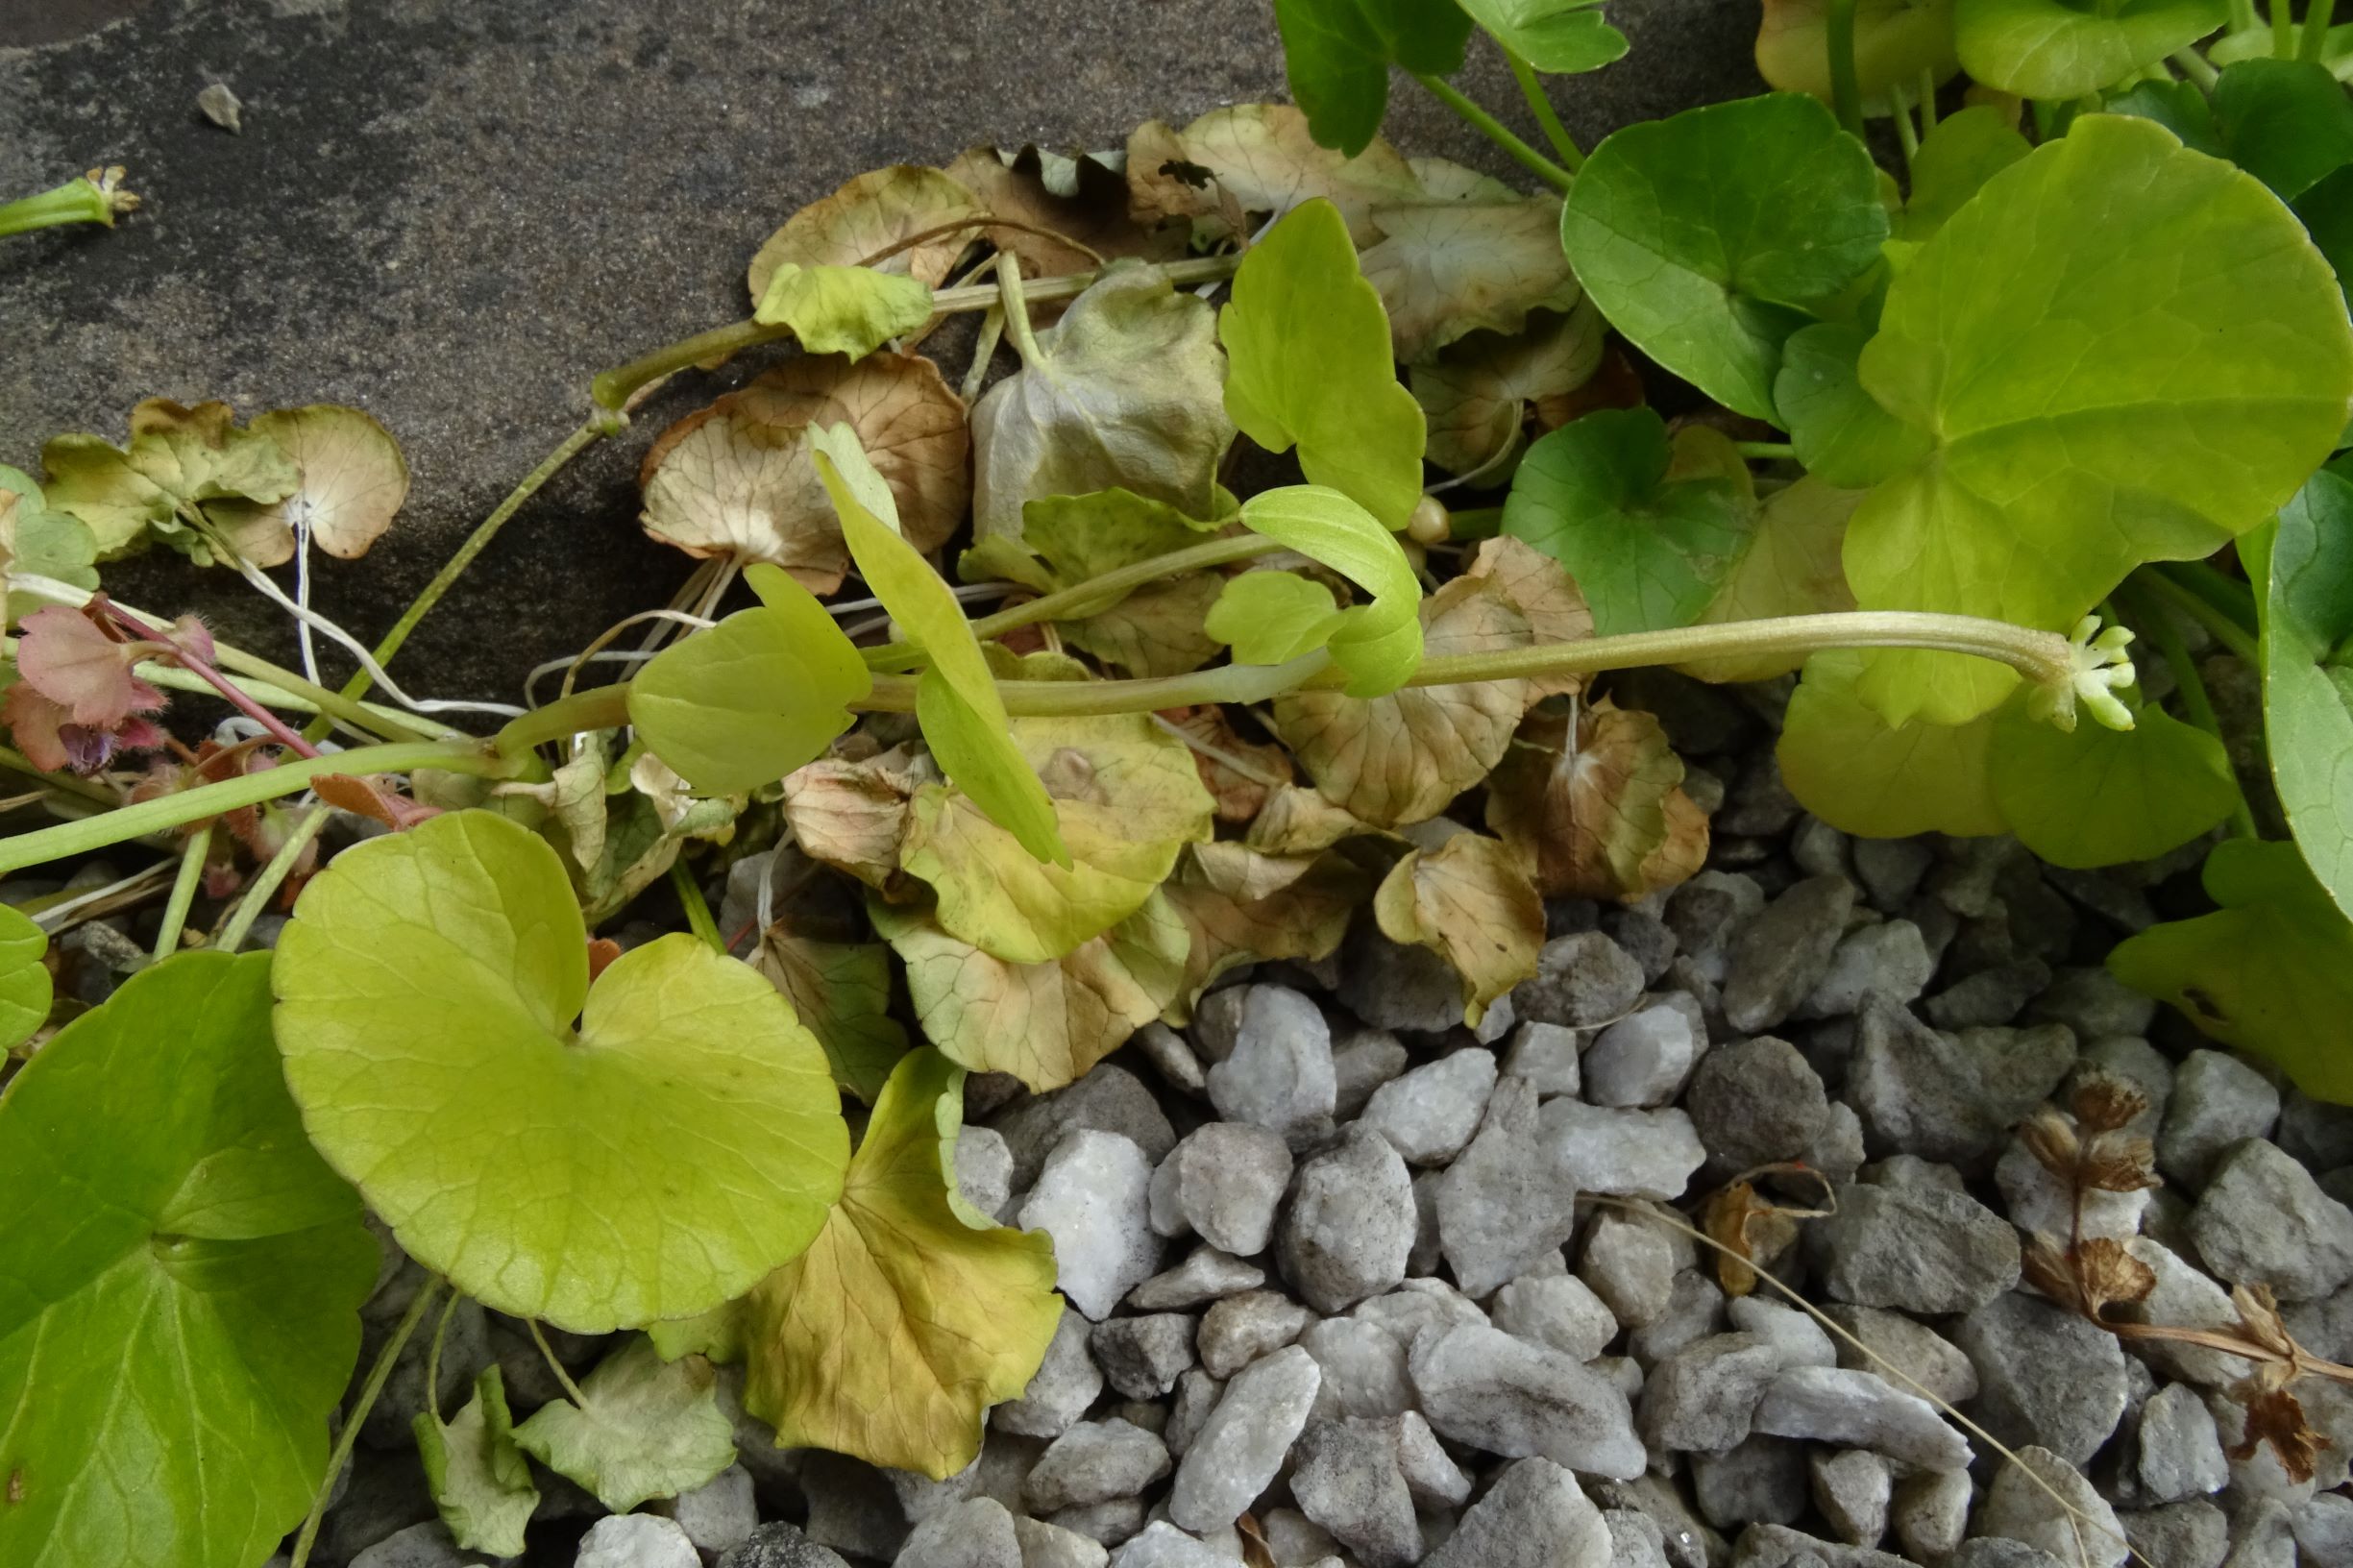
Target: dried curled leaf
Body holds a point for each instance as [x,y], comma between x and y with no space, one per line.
[1081,203]
[1469,901]
[352,480]
[1478,393]
[1752,1231]
[2104,1102]
[1243,905]
[1253,161]
[1044,1023]
[841,993]
[1601,813]
[177,457]
[1446,268]
[864,217]
[851,814]
[2276,1417]
[1545,593]
[1221,756]
[1403,757]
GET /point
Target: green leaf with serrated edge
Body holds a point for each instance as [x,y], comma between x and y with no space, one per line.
[1842,436]
[2308,675]
[1560,37]
[648,1428]
[2101,796]
[2287,122]
[1707,237]
[653,1159]
[25,986]
[2271,972]
[1956,159]
[913,1312]
[1044,1023]
[2064,49]
[480,1482]
[743,704]
[1649,549]
[1895,41]
[1851,768]
[1308,364]
[1379,644]
[1337,53]
[841,992]
[1272,616]
[852,311]
[1129,798]
[2126,352]
[1125,391]
[178,1316]
[956,699]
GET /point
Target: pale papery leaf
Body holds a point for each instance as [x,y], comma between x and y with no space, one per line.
[852,815]
[1302,821]
[1478,393]
[1305,920]
[868,215]
[1081,199]
[1263,156]
[353,480]
[648,1428]
[1594,810]
[1545,593]
[1471,902]
[1450,267]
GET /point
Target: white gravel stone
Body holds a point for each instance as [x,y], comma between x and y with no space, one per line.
[1363,1369]
[1555,1309]
[1484,1388]
[1641,1060]
[1096,1461]
[1223,1182]
[1049,1546]
[1888,957]
[2217,1101]
[1362,1060]
[1430,1113]
[1800,1340]
[2183,1298]
[1701,1399]
[2039,1201]
[1240,1328]
[1546,1055]
[1166,1050]
[1852,1488]
[1534,1516]
[1066,1382]
[1093,1198]
[1510,1201]
[1143,1354]
[1206,1275]
[2180,1453]
[638,1540]
[1352,1223]
[1860,1409]
[1162,1545]
[1630,1265]
[1346,1478]
[2017,1509]
[2263,1220]
[1431,1473]
[1416,1305]
[1931,1513]
[1242,1447]
[1636,1154]
[976,1534]
[1279,1074]
[720,1513]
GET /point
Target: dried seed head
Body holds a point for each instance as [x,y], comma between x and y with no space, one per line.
[2111,1276]
[2050,1138]
[2049,1270]
[2105,1103]
[2258,1316]
[2274,1417]
[2117,1164]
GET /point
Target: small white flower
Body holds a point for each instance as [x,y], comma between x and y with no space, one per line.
[2098,668]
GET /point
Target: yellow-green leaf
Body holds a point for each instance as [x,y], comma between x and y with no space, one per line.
[833,309]
[1379,644]
[647,1428]
[1469,901]
[1272,616]
[841,991]
[2099,797]
[1850,766]
[480,1482]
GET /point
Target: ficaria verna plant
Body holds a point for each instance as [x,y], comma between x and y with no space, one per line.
[2066,371]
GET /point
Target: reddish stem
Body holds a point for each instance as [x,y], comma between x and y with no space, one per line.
[212,678]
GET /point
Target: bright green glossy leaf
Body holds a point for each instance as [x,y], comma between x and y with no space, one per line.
[1307,346]
[852,311]
[2101,796]
[2326,211]
[743,704]
[2287,122]
[25,986]
[956,699]
[913,1313]
[1843,436]
[1956,159]
[2308,675]
[179,1314]
[2125,351]
[648,1428]
[1851,768]
[1560,37]
[1649,548]
[596,1156]
[2271,972]
[1706,238]
[1379,644]
[2065,48]
[480,1482]
[1337,55]
[1273,617]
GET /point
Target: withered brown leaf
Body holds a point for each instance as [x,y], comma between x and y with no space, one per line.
[2274,1417]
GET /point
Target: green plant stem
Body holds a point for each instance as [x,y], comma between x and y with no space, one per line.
[2224,630]
[183,891]
[1540,103]
[66,783]
[698,908]
[2242,17]
[1014,308]
[2284,42]
[2157,620]
[170,811]
[1496,131]
[353,1418]
[1846,87]
[2230,595]
[271,878]
[2196,67]
[563,1379]
[2317,16]
[1765,449]
[79,200]
[1907,135]
[1928,100]
[203,669]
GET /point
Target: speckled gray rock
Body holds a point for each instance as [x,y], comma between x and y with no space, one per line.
[1430,1113]
[1797,1340]
[1162,1545]
[1143,1356]
[1700,1398]
[1107,1524]
[780,1545]
[976,1534]
[1049,1546]
[1908,1346]
[1066,1382]
[1630,1265]
[1196,1395]
[1363,1369]
[1240,1328]
[1920,1250]
[1755,1101]
[1945,1096]
[2094,1003]
[1092,1199]
[1859,1410]
[1778,1546]
[423,1545]
[1346,1478]
[1432,1476]
[2000,1552]
[1992,995]
[1173,1057]
[1243,1443]
[1759,1480]
[1783,950]
[1547,1055]
[1093,1462]
[2262,1536]
[1853,1487]
[1393,986]
[1582,980]
[2217,1100]
[647,1540]
[2263,1220]
[1534,1516]
[2015,1507]
[1351,1224]
[2044,1376]
[1511,1200]
[983,1169]
[1886,959]
[1641,1060]
[1635,1539]
[1280,1074]
[2180,1456]
[1640,1154]
[1931,1513]
[2324,1528]
[1362,1060]
[2180,1534]
[2183,1298]
[1206,1275]
[1484,1388]
[720,1514]
[1107,1099]
[1223,1181]
[1555,1309]
[1695,1310]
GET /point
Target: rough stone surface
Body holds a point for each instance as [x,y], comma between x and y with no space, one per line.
[2217,1100]
[1351,1224]
[1700,1398]
[1639,1154]
[1852,1488]
[1555,1309]
[780,1545]
[1920,1250]
[1364,1367]
[1109,1099]
[720,1514]
[1222,1182]
[1092,1199]
[1547,1055]
[2191,1534]
[1362,1060]
[1142,1357]
[1582,980]
[1761,1480]
[642,1540]
[1641,1060]
[1049,1546]
[1511,1200]
[1279,1074]
[1096,1461]
[2180,1453]
[1240,1328]
[1068,1382]
[1162,1545]
[1245,1439]
[2263,1220]
[1345,1476]
[1887,959]
[1430,1113]
[1206,1275]
[1783,951]
[2017,1509]
[1481,1387]
[1948,1097]
[1911,1347]
[1855,1408]
[1757,1101]
[2044,1376]
[1630,1265]
[1797,1340]
[1931,1513]
[976,1534]
[1534,1516]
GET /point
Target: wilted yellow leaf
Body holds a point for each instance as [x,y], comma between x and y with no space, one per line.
[867,216]
[1469,901]
[1602,814]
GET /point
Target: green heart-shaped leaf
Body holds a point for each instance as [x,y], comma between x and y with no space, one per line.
[2099,797]
[25,986]
[1560,37]
[1272,616]
[179,1314]
[2065,49]
[745,702]
[1707,237]
[2287,122]
[1852,768]
[2308,675]
[852,311]
[1337,55]
[653,1159]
